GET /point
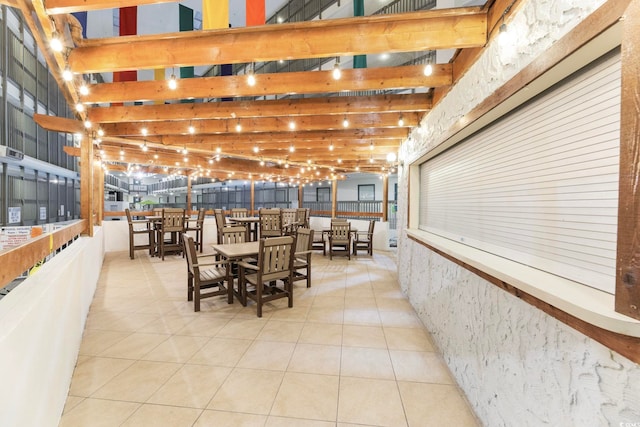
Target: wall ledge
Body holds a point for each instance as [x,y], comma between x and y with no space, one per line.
[590,305]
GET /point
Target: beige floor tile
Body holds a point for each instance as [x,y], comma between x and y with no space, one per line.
[363,336]
[400,319]
[229,419]
[177,348]
[247,390]
[425,367]
[267,355]
[168,324]
[98,413]
[410,339]
[281,331]
[366,363]
[294,314]
[316,359]
[360,302]
[370,402]
[321,333]
[324,301]
[134,346]
[192,386]
[307,396]
[95,372]
[243,328]
[138,382]
[296,422]
[130,322]
[221,352]
[326,315]
[394,304]
[72,402]
[158,415]
[95,341]
[435,405]
[362,316]
[204,326]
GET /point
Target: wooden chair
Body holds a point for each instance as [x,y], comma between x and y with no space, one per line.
[302,255]
[318,242]
[203,275]
[234,234]
[239,212]
[220,223]
[302,216]
[270,222]
[364,240]
[198,227]
[340,239]
[275,265]
[172,224]
[289,221]
[141,226]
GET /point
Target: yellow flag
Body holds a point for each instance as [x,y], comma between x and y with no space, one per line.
[215,14]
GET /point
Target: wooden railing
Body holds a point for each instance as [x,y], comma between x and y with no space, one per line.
[15,261]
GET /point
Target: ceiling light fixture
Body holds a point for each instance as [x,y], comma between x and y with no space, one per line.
[292,125]
[345,122]
[144,131]
[371,146]
[401,121]
[251,75]
[100,133]
[121,151]
[87,124]
[67,75]
[56,42]
[292,148]
[192,129]
[144,147]
[337,73]
[256,149]
[84,89]
[238,127]
[428,70]
[172,82]
[331,146]
[79,107]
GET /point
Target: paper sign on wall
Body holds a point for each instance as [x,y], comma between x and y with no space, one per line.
[15,214]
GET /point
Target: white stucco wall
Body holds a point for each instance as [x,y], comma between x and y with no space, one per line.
[517,365]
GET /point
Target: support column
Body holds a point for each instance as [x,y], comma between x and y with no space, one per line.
[98,191]
[300,195]
[334,197]
[188,195]
[385,197]
[252,206]
[86,183]
[627,299]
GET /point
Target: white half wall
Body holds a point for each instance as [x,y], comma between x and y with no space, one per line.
[42,324]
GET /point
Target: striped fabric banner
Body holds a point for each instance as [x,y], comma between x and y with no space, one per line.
[255,12]
[215,14]
[128,27]
[359,61]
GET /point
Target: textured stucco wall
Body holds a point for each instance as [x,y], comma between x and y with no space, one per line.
[517,365]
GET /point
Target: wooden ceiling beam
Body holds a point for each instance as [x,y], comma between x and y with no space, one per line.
[407,32]
[287,137]
[267,108]
[268,124]
[302,82]
[59,124]
[54,7]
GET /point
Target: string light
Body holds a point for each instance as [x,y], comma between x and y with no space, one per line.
[192,129]
[428,70]
[100,133]
[371,146]
[292,148]
[345,122]
[67,75]
[79,107]
[331,146]
[144,131]
[400,121]
[144,147]
[173,82]
[251,76]
[292,125]
[87,124]
[256,149]
[238,127]
[84,89]
[56,42]
[337,73]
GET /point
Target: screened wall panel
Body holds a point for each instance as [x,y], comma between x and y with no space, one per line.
[14,127]
[539,186]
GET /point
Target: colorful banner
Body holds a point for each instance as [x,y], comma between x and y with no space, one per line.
[359,61]
[186,24]
[128,27]
[82,18]
[215,14]
[255,12]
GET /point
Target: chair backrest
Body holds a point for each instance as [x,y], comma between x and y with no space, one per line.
[304,239]
[128,212]
[372,224]
[157,211]
[270,222]
[340,231]
[219,215]
[289,216]
[200,219]
[191,255]
[173,219]
[275,257]
[239,212]
[234,234]
[301,217]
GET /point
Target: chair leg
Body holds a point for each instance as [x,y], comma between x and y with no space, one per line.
[259,287]
[196,296]
[309,274]
[189,287]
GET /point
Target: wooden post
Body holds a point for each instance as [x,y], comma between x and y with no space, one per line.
[188,195]
[628,259]
[98,191]
[253,196]
[86,183]
[334,197]
[300,195]
[385,197]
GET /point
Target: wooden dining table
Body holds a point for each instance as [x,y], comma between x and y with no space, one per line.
[234,252]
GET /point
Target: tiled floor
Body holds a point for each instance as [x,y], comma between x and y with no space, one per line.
[351,352]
